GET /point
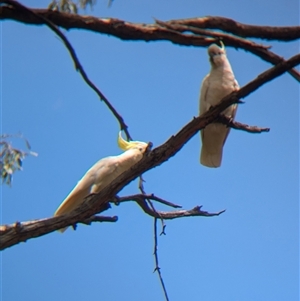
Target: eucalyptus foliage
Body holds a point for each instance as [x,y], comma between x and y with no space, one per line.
[11,159]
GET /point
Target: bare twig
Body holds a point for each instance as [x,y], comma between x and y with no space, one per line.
[196,211]
[241,126]
[75,59]
[141,187]
[141,199]
[137,197]
[157,268]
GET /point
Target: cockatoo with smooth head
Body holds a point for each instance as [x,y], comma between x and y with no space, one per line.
[102,174]
[216,85]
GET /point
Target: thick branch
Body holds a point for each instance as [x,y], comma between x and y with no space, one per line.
[110,26]
[156,157]
[149,32]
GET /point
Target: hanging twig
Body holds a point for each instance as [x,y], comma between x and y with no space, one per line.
[75,59]
[157,268]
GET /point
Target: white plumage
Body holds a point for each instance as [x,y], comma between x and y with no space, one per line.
[102,174]
[216,85]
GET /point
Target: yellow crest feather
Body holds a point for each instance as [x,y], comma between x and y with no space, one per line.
[123,144]
[222,45]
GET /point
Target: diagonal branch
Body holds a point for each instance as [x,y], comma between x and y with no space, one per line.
[99,202]
[25,11]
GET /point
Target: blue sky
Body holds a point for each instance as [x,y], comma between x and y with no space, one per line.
[251,252]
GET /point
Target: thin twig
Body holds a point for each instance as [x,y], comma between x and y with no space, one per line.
[241,126]
[196,211]
[141,187]
[157,268]
[75,59]
[143,196]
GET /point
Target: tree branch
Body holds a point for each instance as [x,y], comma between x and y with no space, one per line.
[99,202]
[152,32]
[228,39]
[135,31]
[18,231]
[236,42]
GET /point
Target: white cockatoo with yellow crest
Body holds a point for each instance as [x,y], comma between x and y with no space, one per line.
[102,174]
[216,85]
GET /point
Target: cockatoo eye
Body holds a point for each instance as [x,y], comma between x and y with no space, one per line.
[216,53]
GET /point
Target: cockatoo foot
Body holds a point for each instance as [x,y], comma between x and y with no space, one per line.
[116,200]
